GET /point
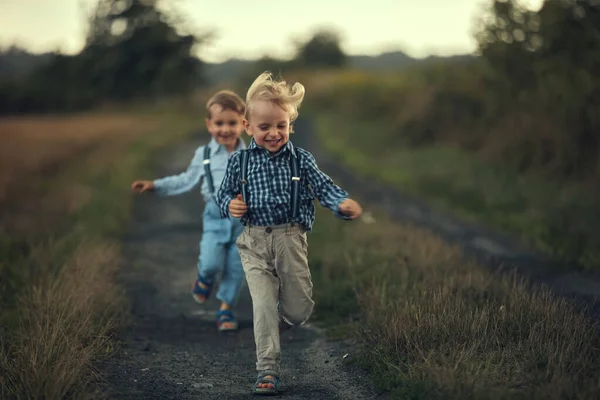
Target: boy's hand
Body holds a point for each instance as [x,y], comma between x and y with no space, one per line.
[237,207]
[350,208]
[142,186]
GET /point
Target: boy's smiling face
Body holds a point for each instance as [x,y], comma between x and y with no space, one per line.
[268,124]
[225,126]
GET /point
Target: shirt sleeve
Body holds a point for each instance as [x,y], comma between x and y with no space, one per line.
[184,182]
[327,193]
[229,185]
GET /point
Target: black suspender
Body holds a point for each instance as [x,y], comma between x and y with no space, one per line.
[295,184]
[244,175]
[295,194]
[207,173]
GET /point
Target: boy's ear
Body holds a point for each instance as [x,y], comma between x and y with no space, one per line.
[247,126]
[207,122]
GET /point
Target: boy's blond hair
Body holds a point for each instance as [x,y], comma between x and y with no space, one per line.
[266,88]
[228,100]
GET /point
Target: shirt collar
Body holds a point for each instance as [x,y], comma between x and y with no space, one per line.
[216,147]
[252,144]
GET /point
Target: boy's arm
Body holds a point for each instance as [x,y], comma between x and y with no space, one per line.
[328,193]
[229,185]
[184,182]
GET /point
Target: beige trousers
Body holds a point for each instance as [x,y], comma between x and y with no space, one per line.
[276,266]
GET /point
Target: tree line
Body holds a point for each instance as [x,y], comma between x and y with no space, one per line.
[132,50]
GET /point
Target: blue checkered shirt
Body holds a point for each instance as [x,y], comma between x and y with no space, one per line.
[269,187]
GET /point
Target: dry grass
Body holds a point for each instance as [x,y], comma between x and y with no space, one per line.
[35,150]
[435,326]
[64,195]
[65,324]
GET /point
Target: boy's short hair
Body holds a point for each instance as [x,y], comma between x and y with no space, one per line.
[266,88]
[228,100]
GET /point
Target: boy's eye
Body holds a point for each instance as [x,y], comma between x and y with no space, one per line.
[233,123]
[281,126]
[264,127]
[219,123]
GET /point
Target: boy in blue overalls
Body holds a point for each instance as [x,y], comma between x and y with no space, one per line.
[218,251]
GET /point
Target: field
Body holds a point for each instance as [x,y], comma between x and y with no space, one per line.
[433,326]
[64,201]
[436,134]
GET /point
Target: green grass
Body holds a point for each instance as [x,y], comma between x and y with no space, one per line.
[432,326]
[555,217]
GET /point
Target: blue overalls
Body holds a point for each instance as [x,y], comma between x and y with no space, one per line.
[218,251]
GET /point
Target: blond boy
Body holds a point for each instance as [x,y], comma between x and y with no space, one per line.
[267,186]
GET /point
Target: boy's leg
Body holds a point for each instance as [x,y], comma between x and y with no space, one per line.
[232,277]
[256,255]
[291,264]
[211,259]
[215,236]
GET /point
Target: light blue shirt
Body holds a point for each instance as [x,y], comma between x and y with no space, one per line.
[188,180]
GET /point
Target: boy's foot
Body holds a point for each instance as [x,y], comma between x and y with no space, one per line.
[201,291]
[225,321]
[266,385]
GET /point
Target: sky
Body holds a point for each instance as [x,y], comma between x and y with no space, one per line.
[253,28]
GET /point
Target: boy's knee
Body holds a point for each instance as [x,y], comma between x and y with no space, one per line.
[298,315]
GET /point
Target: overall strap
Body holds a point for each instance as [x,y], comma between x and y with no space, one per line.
[244,174]
[207,173]
[295,194]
